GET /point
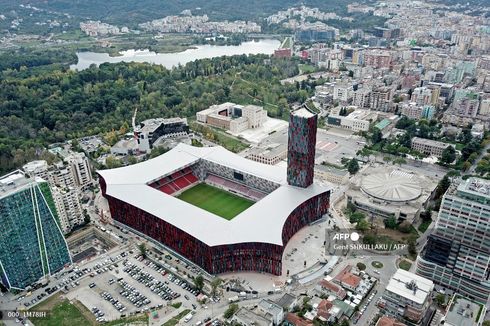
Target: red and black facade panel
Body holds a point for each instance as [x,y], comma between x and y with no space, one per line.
[253,256]
[301,150]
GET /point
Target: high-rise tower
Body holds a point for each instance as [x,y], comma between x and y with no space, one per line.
[31,242]
[457,253]
[301,147]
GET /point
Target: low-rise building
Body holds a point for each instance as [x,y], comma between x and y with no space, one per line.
[233,117]
[358,120]
[288,301]
[247,317]
[429,146]
[407,296]
[272,154]
[331,174]
[388,321]
[327,287]
[270,309]
[464,312]
[149,131]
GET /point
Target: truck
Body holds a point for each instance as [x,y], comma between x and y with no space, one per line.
[234,299]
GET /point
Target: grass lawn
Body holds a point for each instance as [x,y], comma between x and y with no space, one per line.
[306,69]
[63,313]
[175,320]
[405,264]
[424,225]
[215,200]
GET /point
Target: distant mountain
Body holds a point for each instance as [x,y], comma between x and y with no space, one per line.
[132,12]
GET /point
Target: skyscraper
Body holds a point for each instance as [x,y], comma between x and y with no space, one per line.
[31,242]
[457,253]
[301,147]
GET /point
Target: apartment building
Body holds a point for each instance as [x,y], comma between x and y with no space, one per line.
[407,297]
[81,170]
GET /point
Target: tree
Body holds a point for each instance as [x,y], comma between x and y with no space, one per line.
[391,223]
[442,187]
[376,136]
[412,245]
[230,311]
[353,166]
[440,299]
[215,285]
[448,155]
[405,227]
[111,162]
[362,225]
[199,282]
[142,249]
[361,266]
[356,217]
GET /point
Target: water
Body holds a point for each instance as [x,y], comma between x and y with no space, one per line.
[169,60]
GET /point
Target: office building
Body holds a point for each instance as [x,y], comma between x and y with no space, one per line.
[149,131]
[457,253]
[32,245]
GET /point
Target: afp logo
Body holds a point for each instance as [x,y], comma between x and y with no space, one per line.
[354,236]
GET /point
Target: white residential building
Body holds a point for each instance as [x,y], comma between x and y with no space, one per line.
[68,206]
[81,170]
[407,295]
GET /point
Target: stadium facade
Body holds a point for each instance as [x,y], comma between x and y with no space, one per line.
[143,197]
[32,245]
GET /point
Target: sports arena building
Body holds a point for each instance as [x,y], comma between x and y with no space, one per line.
[145,197]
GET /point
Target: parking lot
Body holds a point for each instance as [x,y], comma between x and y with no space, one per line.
[135,285]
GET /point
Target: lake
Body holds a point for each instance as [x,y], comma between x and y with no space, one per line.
[169,60]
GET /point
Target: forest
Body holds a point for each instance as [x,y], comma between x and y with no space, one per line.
[49,104]
[130,13]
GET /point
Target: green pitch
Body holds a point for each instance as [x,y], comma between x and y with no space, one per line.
[215,200]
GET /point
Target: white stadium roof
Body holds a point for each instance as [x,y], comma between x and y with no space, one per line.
[262,222]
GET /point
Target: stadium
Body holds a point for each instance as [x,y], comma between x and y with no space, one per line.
[217,209]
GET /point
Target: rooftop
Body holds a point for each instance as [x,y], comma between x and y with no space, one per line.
[463,312]
[262,222]
[303,113]
[430,142]
[410,286]
[13,182]
[397,186]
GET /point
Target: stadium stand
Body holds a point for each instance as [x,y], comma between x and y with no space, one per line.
[235,187]
[175,182]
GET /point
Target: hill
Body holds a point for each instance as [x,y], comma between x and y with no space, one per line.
[133,12]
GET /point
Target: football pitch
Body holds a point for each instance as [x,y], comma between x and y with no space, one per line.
[215,200]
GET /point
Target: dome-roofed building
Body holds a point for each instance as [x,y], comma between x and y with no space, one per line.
[390,191]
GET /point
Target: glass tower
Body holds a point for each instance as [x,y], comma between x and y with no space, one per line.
[31,242]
